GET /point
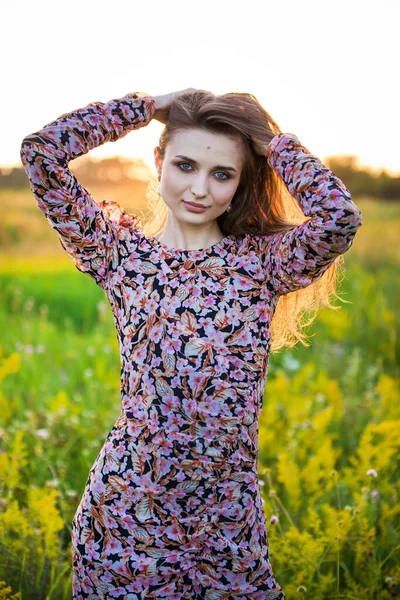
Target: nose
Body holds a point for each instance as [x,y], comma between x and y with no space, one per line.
[199,187]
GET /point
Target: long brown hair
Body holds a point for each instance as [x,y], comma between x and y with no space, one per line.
[262,205]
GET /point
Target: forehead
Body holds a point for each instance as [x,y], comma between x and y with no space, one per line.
[206,147]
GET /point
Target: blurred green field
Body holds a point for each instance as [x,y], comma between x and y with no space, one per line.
[329,430]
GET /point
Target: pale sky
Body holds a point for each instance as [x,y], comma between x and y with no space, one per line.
[325,71]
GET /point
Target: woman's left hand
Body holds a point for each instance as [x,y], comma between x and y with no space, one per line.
[163,103]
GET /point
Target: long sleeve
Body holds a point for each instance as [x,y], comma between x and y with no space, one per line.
[87,230]
[297,258]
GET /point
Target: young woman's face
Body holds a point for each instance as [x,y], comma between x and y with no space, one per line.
[199,167]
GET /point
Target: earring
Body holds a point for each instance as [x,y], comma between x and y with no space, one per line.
[229,208]
[159,179]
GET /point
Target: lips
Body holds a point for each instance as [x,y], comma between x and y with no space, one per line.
[194,204]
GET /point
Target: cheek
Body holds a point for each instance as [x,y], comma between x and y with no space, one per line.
[173,182]
[225,192]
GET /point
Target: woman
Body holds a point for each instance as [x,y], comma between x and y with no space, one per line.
[172,507]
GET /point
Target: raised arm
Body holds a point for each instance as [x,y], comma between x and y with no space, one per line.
[87,230]
[295,259]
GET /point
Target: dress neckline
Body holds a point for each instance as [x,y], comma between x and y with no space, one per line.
[183,251]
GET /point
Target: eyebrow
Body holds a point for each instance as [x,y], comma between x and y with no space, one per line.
[196,163]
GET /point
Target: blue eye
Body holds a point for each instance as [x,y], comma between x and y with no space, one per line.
[224,179]
[180,164]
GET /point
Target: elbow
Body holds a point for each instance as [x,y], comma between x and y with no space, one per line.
[24,150]
[26,140]
[343,198]
[356,219]
[354,222]
[355,215]
[351,214]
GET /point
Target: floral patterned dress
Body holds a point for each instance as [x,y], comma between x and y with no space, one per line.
[172,507]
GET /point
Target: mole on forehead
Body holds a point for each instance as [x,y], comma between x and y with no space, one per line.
[208,147]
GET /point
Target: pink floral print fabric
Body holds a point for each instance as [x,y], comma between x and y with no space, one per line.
[172,506]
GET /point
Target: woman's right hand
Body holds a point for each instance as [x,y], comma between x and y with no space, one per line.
[163,104]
